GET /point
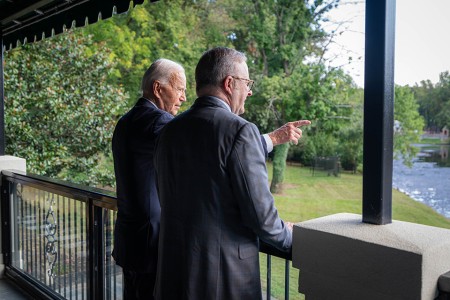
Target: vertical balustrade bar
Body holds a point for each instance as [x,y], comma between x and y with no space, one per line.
[77,267]
[44,196]
[6,222]
[107,258]
[90,250]
[83,239]
[113,220]
[58,220]
[14,224]
[99,253]
[54,267]
[42,199]
[22,227]
[95,252]
[37,249]
[64,246]
[69,233]
[40,233]
[269,276]
[286,279]
[27,233]
[43,238]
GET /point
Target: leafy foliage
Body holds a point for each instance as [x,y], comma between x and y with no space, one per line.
[434,102]
[411,123]
[280,38]
[60,110]
[178,30]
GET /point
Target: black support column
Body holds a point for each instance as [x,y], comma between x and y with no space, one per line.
[378,111]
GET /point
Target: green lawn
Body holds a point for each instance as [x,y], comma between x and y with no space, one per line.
[434,141]
[307,197]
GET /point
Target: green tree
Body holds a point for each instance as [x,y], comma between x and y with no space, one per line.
[279,36]
[179,30]
[434,103]
[406,112]
[443,97]
[60,110]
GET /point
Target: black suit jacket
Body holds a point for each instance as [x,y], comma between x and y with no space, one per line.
[137,227]
[215,206]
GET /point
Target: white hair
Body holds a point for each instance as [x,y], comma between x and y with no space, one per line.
[162,70]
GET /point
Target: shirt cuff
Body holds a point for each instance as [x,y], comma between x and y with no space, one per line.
[268,142]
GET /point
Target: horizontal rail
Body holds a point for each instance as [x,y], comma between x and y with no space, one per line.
[101,198]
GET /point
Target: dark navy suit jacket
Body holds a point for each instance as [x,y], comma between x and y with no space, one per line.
[215,206]
[137,227]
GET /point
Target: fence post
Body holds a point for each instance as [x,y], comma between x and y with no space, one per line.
[5,254]
[95,248]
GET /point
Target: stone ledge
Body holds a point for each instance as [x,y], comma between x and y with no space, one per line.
[11,162]
[340,255]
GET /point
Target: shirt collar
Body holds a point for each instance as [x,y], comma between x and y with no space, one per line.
[222,103]
[151,102]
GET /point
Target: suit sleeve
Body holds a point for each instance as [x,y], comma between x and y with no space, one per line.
[249,180]
[264,144]
[161,122]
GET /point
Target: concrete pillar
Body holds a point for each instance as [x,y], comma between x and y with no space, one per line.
[340,257]
[6,163]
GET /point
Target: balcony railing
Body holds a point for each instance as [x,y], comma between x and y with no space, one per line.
[57,239]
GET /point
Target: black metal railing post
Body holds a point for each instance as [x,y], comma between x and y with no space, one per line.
[90,228]
[6,221]
[378,111]
[100,253]
[96,253]
[286,279]
[269,276]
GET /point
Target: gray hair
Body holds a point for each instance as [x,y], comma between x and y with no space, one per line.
[215,64]
[162,70]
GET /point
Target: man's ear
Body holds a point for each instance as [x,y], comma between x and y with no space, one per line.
[157,89]
[228,85]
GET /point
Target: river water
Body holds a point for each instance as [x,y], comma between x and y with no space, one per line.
[428,180]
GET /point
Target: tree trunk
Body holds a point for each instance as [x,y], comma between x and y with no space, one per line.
[279,166]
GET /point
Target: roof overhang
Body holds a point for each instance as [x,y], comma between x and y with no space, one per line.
[25,21]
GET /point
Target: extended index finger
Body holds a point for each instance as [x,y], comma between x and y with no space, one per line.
[301,123]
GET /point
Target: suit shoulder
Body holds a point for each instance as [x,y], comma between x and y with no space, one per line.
[231,117]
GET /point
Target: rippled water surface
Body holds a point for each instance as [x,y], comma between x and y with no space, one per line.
[428,180]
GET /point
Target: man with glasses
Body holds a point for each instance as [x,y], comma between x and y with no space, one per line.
[213,190]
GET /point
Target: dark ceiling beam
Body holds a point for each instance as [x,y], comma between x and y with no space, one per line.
[53,19]
[21,8]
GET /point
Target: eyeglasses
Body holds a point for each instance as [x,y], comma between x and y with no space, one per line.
[180,91]
[249,82]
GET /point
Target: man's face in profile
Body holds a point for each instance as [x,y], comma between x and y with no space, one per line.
[173,94]
[241,88]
